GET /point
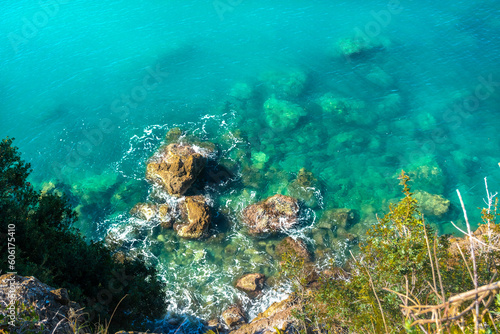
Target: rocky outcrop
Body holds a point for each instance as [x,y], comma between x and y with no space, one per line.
[55,311]
[290,245]
[278,315]
[277,213]
[252,284]
[175,167]
[196,218]
[234,316]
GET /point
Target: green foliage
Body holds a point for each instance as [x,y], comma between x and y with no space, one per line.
[394,258]
[292,267]
[25,320]
[210,332]
[49,248]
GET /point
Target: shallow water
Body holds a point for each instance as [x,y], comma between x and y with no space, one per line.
[89,91]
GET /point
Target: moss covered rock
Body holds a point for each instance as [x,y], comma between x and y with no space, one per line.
[344,218]
[305,188]
[296,246]
[285,84]
[433,205]
[281,114]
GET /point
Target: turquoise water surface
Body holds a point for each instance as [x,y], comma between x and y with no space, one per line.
[90,89]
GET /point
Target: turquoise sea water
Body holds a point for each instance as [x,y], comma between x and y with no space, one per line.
[90,89]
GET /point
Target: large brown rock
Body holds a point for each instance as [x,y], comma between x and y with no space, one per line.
[176,167]
[279,315]
[55,311]
[196,218]
[272,215]
[251,283]
[234,316]
[290,245]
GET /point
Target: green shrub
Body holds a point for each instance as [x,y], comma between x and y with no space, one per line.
[49,248]
[394,262]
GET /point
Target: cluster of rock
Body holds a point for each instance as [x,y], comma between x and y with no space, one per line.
[174,168]
[277,316]
[177,166]
[39,307]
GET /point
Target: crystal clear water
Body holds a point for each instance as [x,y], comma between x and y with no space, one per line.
[89,91]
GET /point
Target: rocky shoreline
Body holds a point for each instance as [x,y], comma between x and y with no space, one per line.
[178,208]
[45,309]
[183,210]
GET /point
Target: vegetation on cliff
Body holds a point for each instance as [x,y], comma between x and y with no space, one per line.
[406,279]
[49,248]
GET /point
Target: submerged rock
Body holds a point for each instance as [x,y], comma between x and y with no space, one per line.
[390,105]
[173,135]
[241,91]
[272,215]
[287,84]
[290,245]
[196,218]
[281,114]
[176,167]
[304,188]
[251,283]
[341,218]
[347,110]
[380,77]
[355,46]
[433,205]
[127,194]
[234,316]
